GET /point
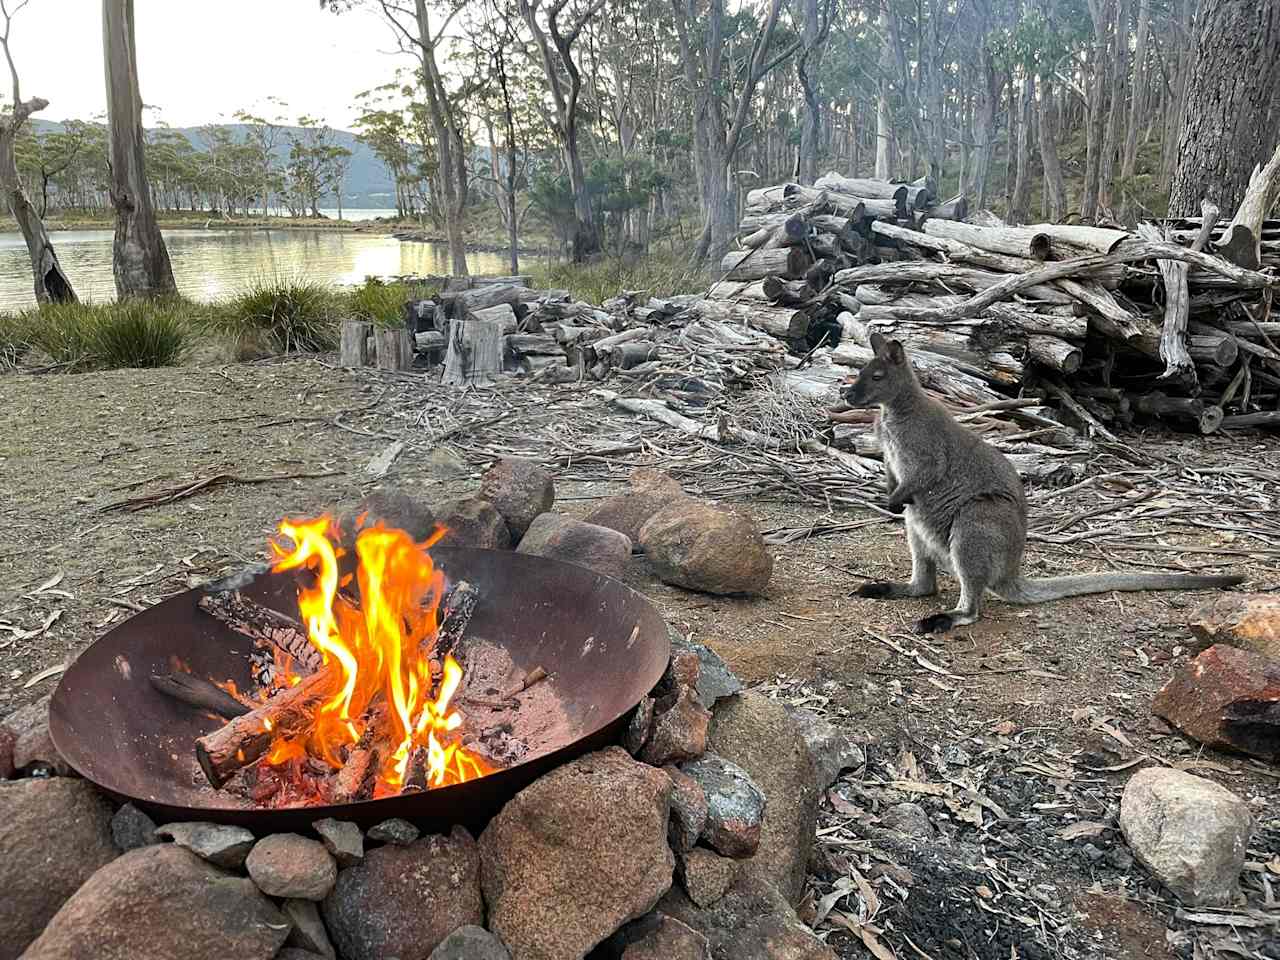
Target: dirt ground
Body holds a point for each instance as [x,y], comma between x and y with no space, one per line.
[1042,712]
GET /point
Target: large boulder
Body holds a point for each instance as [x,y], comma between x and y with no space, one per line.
[163,903]
[757,734]
[708,548]
[55,833]
[752,921]
[1189,832]
[520,490]
[473,523]
[289,865]
[563,538]
[656,937]
[391,508]
[402,901]
[576,854]
[649,492]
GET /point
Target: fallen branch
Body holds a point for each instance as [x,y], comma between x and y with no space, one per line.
[134,504]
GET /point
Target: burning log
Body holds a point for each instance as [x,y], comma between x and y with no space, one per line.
[248,737]
[199,693]
[456,611]
[356,778]
[264,626]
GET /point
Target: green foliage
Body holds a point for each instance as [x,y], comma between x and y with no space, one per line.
[597,282]
[377,302]
[280,315]
[83,336]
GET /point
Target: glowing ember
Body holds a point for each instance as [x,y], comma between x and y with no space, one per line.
[385,703]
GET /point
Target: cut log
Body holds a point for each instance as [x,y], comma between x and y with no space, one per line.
[1206,416]
[353,343]
[474,354]
[358,776]
[957,208]
[199,693]
[944,273]
[786,293]
[500,313]
[858,187]
[1213,349]
[459,304]
[394,348]
[781,322]
[1026,242]
[788,262]
[1211,699]
[267,628]
[1054,354]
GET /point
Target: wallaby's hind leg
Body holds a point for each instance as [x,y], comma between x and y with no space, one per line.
[975,557]
[924,574]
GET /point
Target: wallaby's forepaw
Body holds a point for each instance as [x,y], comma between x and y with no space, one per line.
[875,591]
[938,623]
[896,506]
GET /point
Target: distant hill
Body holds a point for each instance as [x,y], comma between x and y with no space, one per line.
[368,182]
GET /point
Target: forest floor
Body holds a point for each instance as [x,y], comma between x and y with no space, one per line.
[1038,713]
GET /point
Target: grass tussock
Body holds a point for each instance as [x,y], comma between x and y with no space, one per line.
[376,302]
[86,336]
[274,316]
[656,275]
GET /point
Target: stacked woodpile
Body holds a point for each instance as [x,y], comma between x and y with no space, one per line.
[1111,326]
[668,347]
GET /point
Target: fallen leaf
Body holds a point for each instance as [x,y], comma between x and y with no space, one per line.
[1005,728]
[45,675]
[48,584]
[1083,828]
[840,805]
[985,892]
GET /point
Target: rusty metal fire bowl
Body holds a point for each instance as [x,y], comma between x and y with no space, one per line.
[603,645]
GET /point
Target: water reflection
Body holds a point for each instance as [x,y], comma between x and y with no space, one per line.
[208,264]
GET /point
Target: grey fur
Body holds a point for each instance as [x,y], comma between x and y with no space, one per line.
[965,509]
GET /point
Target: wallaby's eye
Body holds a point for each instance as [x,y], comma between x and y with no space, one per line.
[877,376]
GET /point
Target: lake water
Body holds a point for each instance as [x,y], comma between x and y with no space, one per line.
[210,264]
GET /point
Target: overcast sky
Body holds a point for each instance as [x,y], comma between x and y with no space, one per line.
[201,60]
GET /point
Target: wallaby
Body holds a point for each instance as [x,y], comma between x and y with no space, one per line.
[965,508]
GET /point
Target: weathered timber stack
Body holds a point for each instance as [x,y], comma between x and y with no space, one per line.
[1107,325]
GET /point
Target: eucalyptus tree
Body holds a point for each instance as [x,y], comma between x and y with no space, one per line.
[50,281]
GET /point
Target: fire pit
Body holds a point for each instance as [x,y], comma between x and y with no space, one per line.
[601,645]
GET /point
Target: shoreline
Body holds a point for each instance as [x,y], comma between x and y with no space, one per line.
[406,231]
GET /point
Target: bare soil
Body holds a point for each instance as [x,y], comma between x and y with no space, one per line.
[1043,711]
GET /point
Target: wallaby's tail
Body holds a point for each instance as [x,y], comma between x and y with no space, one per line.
[1023,590]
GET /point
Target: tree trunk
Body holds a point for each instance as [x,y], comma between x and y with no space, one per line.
[1096,127]
[1020,207]
[884,116]
[1233,83]
[453,170]
[1055,189]
[1119,80]
[984,127]
[807,69]
[1173,111]
[1138,96]
[140,260]
[51,284]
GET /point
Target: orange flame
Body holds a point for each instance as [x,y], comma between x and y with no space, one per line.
[381,647]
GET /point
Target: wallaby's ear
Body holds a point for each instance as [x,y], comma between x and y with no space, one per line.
[895,352]
[877,343]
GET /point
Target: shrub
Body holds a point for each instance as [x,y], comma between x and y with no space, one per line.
[658,276]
